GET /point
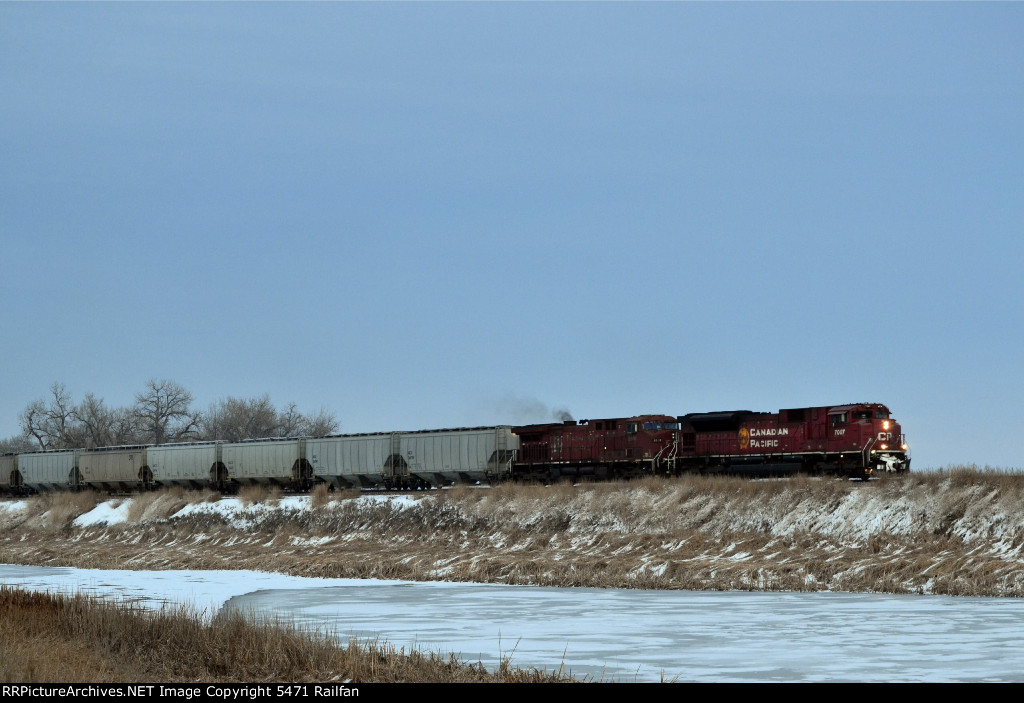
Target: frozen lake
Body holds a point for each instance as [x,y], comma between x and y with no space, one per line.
[613,634]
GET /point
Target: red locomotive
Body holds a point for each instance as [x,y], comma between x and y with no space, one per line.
[844,440]
[624,447]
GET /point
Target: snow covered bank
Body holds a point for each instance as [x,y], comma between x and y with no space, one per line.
[953,534]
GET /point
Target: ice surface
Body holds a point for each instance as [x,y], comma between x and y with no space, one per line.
[617,634]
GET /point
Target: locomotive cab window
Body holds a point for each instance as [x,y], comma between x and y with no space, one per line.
[652,425]
[838,419]
[881,415]
[862,415]
[631,427]
[671,425]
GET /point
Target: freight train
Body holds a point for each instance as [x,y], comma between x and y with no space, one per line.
[855,441]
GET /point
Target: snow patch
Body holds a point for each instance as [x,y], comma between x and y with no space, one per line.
[112,512]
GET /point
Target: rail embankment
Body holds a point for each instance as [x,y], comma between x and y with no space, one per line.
[958,531]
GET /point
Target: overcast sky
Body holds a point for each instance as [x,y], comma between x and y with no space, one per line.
[433,215]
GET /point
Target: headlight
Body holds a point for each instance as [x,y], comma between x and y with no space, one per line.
[885,424]
[885,446]
[904,447]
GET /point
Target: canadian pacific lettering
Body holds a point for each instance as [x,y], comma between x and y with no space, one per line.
[768,431]
[757,432]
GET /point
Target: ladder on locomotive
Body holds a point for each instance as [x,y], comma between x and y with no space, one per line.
[671,455]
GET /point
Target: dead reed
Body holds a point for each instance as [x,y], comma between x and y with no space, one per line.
[58,638]
[319,496]
[257,494]
[956,531]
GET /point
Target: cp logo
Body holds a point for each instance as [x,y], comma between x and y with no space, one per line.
[744,438]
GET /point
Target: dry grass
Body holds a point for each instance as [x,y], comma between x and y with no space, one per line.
[54,511]
[159,505]
[320,495]
[58,639]
[324,495]
[259,494]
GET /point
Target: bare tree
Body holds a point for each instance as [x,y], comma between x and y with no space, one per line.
[52,424]
[124,427]
[33,423]
[162,413]
[235,419]
[320,424]
[103,426]
[292,423]
[95,418]
[16,445]
[165,413]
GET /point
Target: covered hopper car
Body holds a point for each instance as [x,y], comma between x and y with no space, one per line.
[385,460]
